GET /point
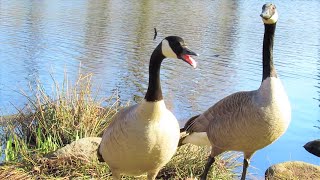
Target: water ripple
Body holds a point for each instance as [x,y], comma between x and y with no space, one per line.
[114,40]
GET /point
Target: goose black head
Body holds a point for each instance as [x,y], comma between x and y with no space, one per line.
[269,13]
[175,47]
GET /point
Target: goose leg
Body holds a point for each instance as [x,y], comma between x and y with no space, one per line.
[207,168]
[246,162]
[245,167]
[214,152]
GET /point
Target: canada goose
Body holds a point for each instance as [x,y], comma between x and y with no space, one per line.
[142,138]
[313,147]
[249,120]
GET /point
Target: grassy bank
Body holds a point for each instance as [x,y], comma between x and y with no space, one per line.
[68,112]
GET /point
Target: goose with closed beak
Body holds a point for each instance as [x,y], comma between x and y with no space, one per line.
[249,120]
[142,138]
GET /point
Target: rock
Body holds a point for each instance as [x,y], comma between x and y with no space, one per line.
[313,147]
[293,170]
[85,148]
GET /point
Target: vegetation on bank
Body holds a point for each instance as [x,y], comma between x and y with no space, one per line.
[71,111]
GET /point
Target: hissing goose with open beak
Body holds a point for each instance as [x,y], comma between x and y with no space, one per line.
[142,138]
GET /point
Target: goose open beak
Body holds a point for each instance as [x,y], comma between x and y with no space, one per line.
[186,56]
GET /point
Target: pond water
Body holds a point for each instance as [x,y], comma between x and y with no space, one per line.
[113,39]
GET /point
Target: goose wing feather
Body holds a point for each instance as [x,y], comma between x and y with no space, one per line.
[116,133]
[224,111]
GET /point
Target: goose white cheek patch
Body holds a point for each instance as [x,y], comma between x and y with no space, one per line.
[167,51]
[190,60]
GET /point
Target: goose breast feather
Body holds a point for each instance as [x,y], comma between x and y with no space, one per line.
[157,134]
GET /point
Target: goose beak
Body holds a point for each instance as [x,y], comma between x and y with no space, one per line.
[265,14]
[186,56]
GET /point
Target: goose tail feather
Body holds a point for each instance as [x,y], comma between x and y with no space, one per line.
[183,131]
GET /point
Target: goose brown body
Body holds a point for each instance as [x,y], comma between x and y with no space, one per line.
[248,120]
[240,119]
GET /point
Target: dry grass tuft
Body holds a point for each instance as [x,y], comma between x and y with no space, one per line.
[13,172]
[189,161]
[70,112]
[52,120]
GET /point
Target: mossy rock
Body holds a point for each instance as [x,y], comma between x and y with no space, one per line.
[293,170]
[313,147]
[85,148]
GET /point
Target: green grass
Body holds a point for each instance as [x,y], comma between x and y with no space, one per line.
[51,120]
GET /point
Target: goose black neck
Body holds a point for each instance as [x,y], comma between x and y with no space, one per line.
[267,57]
[154,92]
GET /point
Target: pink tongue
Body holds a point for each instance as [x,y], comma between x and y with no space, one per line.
[190,60]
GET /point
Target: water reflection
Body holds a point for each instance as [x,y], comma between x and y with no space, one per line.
[114,40]
[95,35]
[318,77]
[32,42]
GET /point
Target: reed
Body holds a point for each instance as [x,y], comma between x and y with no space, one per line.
[53,119]
[71,111]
